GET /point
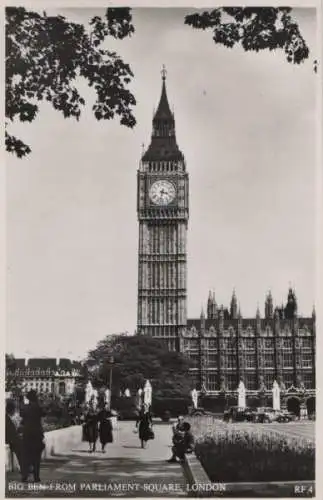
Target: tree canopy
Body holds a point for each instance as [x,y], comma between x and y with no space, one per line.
[255,28]
[135,359]
[45,55]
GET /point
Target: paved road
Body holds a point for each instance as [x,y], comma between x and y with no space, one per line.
[125,469]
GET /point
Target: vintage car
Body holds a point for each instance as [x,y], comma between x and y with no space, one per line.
[266,415]
[196,412]
[238,414]
[285,416]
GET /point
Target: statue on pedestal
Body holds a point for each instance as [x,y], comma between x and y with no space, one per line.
[147,393]
[241,395]
[194,397]
[88,392]
[276,396]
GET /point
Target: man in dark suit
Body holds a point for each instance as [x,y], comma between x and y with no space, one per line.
[32,437]
[12,435]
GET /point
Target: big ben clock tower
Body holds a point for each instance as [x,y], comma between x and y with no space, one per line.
[162,206]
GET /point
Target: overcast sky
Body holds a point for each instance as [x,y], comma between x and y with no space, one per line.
[246,125]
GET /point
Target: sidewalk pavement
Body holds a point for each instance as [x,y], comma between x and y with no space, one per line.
[124,470]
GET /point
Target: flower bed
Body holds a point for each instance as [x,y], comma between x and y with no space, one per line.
[52,423]
[52,426]
[242,456]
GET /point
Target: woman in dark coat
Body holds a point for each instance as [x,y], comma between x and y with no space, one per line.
[32,437]
[105,427]
[144,422]
[91,428]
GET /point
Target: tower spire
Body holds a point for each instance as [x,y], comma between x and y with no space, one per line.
[234,305]
[291,306]
[215,307]
[163,73]
[258,311]
[209,307]
[314,313]
[163,111]
[163,145]
[269,307]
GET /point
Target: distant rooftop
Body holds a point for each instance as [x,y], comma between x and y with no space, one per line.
[43,364]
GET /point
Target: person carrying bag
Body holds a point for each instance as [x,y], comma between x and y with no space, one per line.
[144,424]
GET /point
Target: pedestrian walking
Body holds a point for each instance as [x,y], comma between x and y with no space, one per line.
[105,427]
[32,437]
[91,427]
[12,431]
[144,424]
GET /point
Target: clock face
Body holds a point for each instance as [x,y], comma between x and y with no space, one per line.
[162,192]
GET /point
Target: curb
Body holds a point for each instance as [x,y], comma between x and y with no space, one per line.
[200,485]
[56,441]
[198,481]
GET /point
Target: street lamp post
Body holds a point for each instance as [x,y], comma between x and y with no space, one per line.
[110,362]
[110,381]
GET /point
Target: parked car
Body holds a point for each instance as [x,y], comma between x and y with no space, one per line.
[238,414]
[285,416]
[195,412]
[265,415]
[250,414]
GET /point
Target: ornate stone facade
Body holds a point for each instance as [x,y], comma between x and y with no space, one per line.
[162,207]
[227,348]
[47,375]
[224,347]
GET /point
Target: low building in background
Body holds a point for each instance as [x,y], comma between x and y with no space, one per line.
[58,376]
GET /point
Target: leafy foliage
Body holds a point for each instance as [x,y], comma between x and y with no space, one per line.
[172,406]
[134,359]
[45,56]
[254,28]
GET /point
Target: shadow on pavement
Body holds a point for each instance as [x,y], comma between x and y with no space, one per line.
[76,471]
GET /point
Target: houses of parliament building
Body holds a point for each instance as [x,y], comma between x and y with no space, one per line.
[224,347]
